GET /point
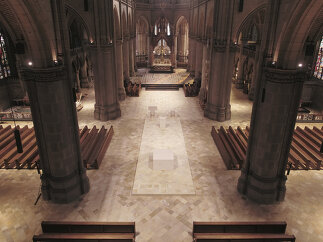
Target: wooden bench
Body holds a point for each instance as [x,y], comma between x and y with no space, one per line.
[239,227]
[87,227]
[240,231]
[305,151]
[104,237]
[87,231]
[229,237]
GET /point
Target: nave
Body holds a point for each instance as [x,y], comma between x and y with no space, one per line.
[161,217]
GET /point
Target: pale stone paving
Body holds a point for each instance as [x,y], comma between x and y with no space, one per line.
[161,217]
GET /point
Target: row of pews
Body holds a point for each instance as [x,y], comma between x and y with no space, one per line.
[240,231]
[126,232]
[191,90]
[86,231]
[305,152]
[94,143]
[132,90]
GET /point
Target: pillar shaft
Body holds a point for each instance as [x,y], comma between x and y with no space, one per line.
[239,83]
[106,95]
[119,71]
[54,116]
[205,72]
[219,88]
[192,59]
[131,58]
[125,52]
[255,74]
[272,125]
[174,52]
[198,59]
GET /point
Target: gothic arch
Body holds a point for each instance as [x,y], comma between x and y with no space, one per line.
[180,20]
[293,36]
[72,16]
[255,18]
[23,24]
[117,26]
[125,30]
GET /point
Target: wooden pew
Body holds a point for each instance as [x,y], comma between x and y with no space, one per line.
[93,146]
[304,152]
[87,227]
[239,227]
[228,237]
[87,231]
[105,146]
[240,231]
[104,237]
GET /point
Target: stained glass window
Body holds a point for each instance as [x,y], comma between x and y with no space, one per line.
[319,62]
[4,64]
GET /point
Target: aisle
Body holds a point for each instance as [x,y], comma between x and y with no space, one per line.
[149,178]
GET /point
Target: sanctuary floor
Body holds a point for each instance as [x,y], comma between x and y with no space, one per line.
[161,217]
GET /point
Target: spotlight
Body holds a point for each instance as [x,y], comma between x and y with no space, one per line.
[300,65]
[30,63]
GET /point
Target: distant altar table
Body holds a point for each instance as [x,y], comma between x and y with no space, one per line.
[161,68]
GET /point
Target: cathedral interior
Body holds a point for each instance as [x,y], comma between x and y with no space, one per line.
[162,113]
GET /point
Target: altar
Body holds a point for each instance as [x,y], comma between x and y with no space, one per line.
[162,58]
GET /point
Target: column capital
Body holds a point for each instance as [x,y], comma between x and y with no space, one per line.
[284,76]
[51,74]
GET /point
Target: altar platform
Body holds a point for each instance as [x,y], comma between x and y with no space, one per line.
[157,68]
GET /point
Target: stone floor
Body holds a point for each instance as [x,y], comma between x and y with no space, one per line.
[161,217]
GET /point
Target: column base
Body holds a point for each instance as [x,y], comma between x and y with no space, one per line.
[121,94]
[105,113]
[64,189]
[262,190]
[217,113]
[202,94]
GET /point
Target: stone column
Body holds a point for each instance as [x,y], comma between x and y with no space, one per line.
[218,98]
[174,52]
[55,121]
[83,75]
[255,73]
[192,59]
[106,87]
[131,58]
[239,83]
[125,52]
[272,125]
[119,71]
[198,57]
[149,52]
[205,71]
[134,54]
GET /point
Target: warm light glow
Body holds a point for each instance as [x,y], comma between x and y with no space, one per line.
[300,65]
[30,63]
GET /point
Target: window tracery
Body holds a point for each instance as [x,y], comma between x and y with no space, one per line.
[318,71]
[4,63]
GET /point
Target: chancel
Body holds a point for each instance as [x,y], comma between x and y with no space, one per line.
[161,120]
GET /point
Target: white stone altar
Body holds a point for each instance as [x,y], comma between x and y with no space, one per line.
[162,122]
[163,160]
[152,110]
